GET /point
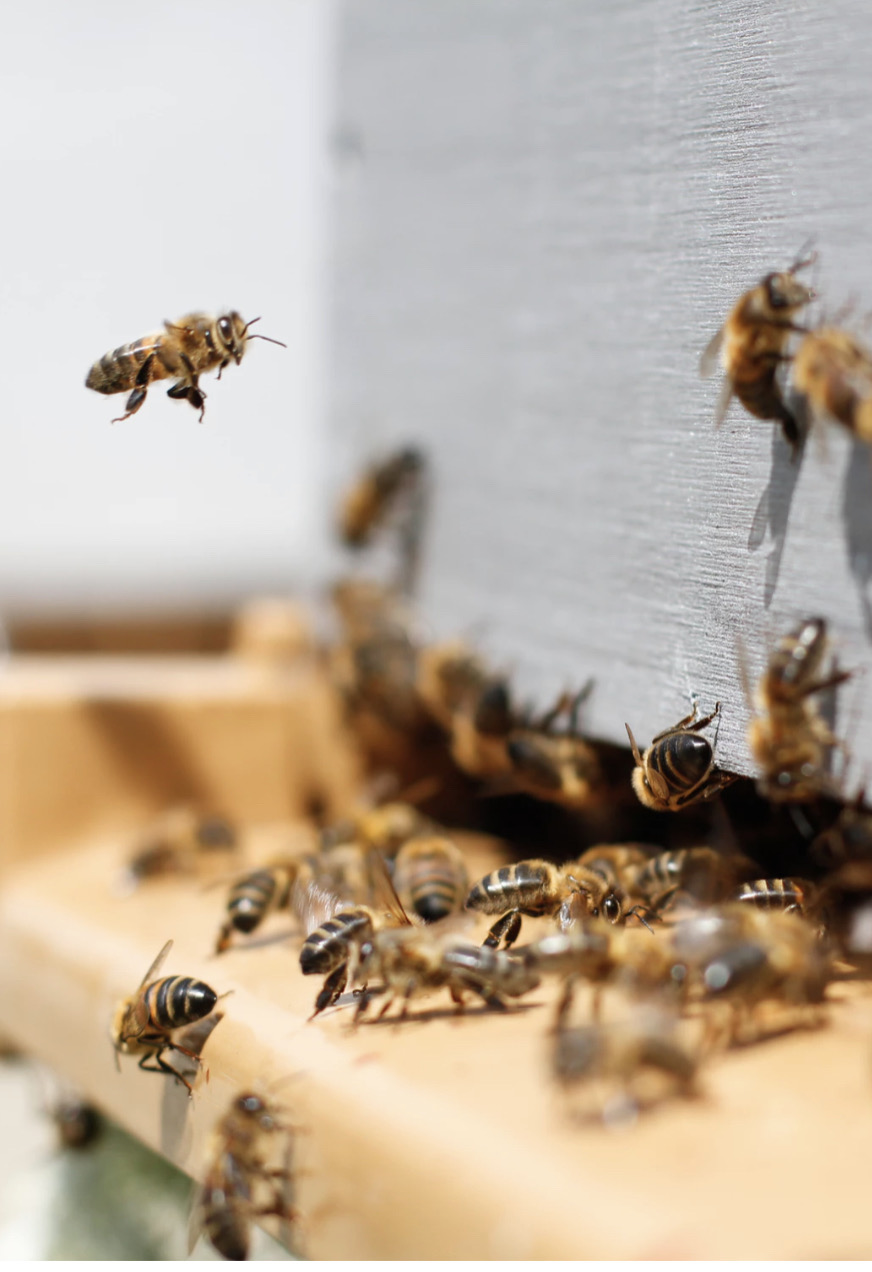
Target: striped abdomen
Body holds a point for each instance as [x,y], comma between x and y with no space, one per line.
[529,886]
[682,759]
[175,1001]
[252,898]
[431,875]
[327,947]
[116,371]
[788,895]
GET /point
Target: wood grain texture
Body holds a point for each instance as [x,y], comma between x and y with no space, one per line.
[547,211]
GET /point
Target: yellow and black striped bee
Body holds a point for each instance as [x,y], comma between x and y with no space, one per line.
[702,873]
[790,896]
[678,767]
[430,877]
[788,737]
[833,372]
[256,895]
[144,1022]
[241,1185]
[752,347]
[580,889]
[557,766]
[183,351]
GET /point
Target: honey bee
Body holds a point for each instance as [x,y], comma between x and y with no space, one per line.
[430,877]
[240,1186]
[848,839]
[833,372]
[176,843]
[788,738]
[639,1061]
[145,1021]
[78,1124]
[539,888]
[370,501]
[183,351]
[410,961]
[254,896]
[472,704]
[704,874]
[789,896]
[678,767]
[384,829]
[560,767]
[752,346]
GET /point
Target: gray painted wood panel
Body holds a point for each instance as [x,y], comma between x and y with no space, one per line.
[548,208]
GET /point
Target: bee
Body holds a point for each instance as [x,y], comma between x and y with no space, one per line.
[331,949]
[78,1124]
[384,829]
[848,839]
[254,896]
[788,738]
[144,1022]
[240,1186]
[641,1060]
[539,888]
[678,767]
[833,372]
[789,896]
[430,877]
[175,844]
[370,501]
[410,961]
[752,346]
[743,957]
[183,351]
[561,767]
[703,873]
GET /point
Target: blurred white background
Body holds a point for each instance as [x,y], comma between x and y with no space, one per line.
[157,159]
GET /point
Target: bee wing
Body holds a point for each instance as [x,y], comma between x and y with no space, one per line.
[196,1216]
[316,896]
[724,399]
[711,355]
[384,894]
[156,965]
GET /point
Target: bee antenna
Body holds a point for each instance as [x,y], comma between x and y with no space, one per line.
[250,323]
[258,336]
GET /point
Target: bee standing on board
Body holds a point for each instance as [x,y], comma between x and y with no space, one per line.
[539,888]
[430,877]
[240,1186]
[678,767]
[175,844]
[411,961]
[145,1022]
[560,767]
[833,372]
[254,896]
[788,738]
[183,351]
[752,346]
[704,874]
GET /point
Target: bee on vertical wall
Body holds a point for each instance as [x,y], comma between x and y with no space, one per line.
[678,767]
[240,1185]
[788,737]
[183,351]
[145,1022]
[833,372]
[557,765]
[752,347]
[393,489]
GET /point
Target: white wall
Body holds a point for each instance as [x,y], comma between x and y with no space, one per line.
[156,159]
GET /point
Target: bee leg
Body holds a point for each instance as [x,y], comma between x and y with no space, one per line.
[507,927]
[223,942]
[566,1000]
[163,1067]
[331,990]
[458,1000]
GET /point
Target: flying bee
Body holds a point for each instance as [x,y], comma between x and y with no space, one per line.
[753,345]
[639,1061]
[788,737]
[561,767]
[144,1022]
[183,351]
[679,767]
[411,961]
[833,372]
[430,877]
[240,1186]
[176,843]
[539,888]
[370,501]
[255,895]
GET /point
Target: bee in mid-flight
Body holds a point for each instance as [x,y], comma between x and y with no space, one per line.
[752,346]
[144,1022]
[240,1186]
[833,372]
[678,767]
[183,351]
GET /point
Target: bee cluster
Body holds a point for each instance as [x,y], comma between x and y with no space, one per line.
[722,923]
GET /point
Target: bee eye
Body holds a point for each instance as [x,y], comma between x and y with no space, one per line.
[612,909]
[225,330]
